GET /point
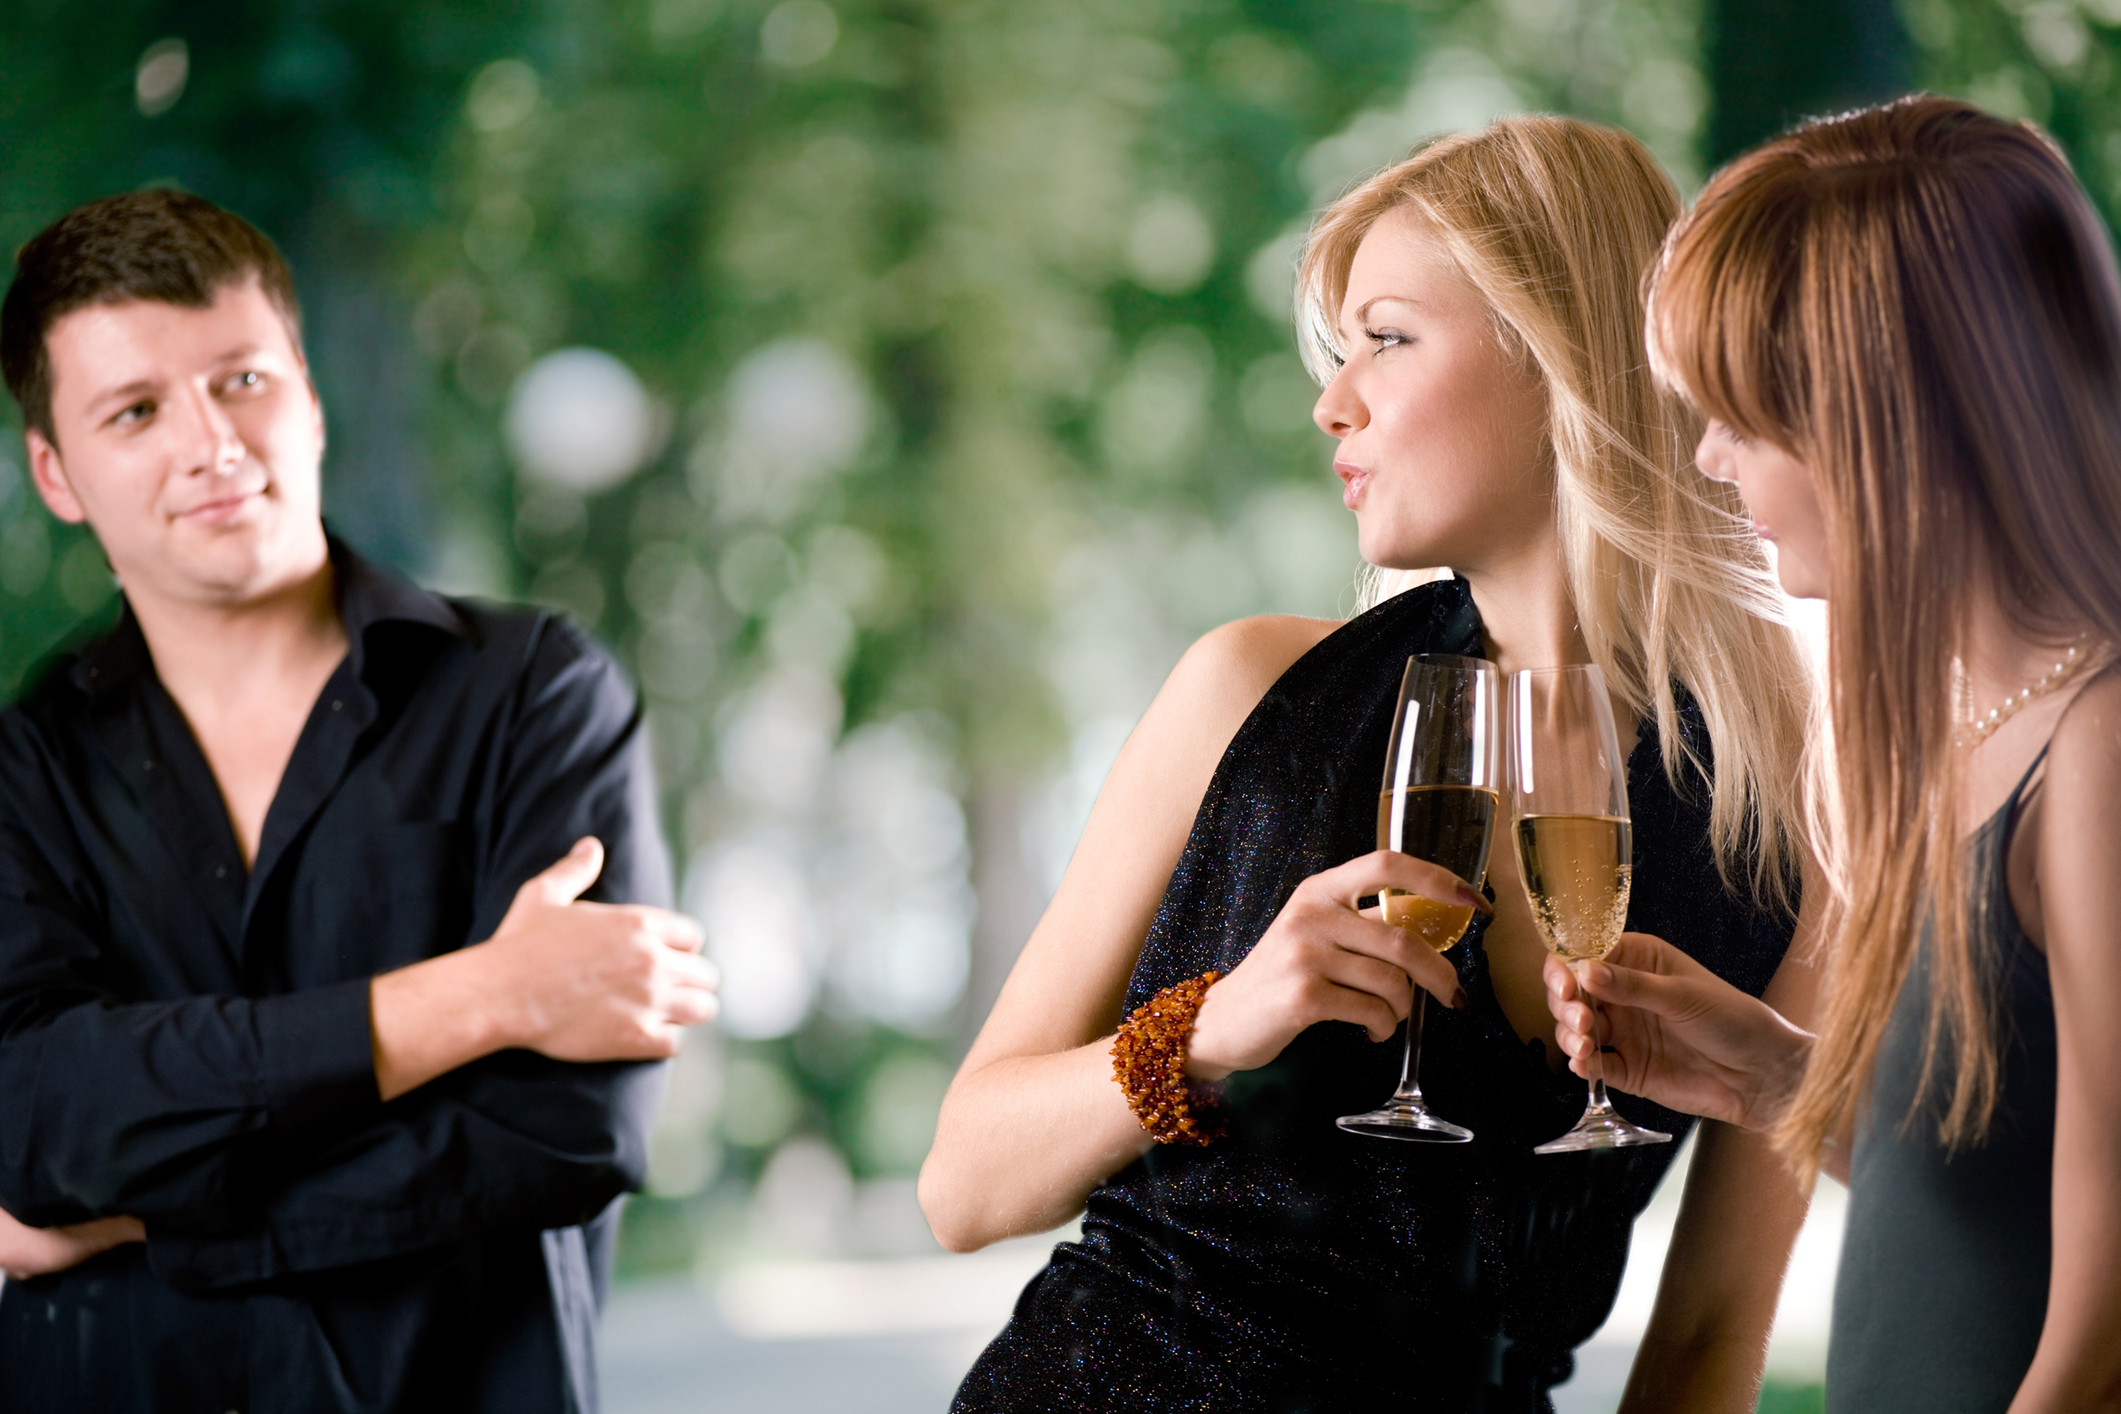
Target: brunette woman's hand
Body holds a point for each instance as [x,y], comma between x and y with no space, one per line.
[1323,960]
[27,1252]
[1672,1031]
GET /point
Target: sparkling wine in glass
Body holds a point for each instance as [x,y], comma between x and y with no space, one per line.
[1442,789]
[1569,803]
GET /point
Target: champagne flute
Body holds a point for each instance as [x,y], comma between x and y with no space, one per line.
[1443,784]
[1569,803]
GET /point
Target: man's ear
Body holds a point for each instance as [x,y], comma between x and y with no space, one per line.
[49,474]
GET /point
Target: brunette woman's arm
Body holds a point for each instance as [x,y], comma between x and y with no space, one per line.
[1708,1333]
[2077,1365]
[1033,1120]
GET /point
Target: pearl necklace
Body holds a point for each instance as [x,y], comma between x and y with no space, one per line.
[1974,732]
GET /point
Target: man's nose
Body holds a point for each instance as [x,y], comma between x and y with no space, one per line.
[213,442]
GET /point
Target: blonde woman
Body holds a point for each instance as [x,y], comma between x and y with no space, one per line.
[1906,323]
[1474,314]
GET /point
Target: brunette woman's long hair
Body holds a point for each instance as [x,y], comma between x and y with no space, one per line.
[1918,302]
[1555,223]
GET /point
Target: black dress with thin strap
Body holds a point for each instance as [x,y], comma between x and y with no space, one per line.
[1291,1265]
[1942,1289]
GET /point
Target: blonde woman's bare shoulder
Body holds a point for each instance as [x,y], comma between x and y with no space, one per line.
[1233,666]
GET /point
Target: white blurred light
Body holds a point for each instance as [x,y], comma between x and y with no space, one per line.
[754,903]
[160,76]
[1153,419]
[579,418]
[811,632]
[798,33]
[892,880]
[798,410]
[777,739]
[1171,246]
[804,1197]
[1458,90]
[502,95]
[1270,277]
[910,966]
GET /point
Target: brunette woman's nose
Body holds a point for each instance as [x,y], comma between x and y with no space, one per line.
[1712,455]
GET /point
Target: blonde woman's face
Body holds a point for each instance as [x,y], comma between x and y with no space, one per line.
[1783,500]
[1443,443]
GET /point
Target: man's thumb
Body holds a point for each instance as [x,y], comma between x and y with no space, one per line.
[576,870]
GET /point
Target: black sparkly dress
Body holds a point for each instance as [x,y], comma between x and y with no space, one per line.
[1293,1266]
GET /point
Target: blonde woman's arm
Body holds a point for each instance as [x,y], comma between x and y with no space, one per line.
[2077,1365]
[1033,1120]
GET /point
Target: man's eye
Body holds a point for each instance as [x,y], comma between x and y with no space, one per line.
[249,380]
[138,413]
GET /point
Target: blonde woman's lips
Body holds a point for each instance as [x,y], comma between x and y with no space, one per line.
[1355,479]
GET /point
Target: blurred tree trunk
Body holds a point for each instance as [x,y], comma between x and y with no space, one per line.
[1774,63]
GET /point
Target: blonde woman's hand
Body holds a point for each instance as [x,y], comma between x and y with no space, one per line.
[1323,960]
[1672,1031]
[27,1252]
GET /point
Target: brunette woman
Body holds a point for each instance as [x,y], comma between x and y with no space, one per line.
[1905,324]
[1475,316]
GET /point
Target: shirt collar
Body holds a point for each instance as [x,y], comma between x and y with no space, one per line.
[369,597]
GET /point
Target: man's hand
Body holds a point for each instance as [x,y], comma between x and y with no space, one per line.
[594,981]
[574,981]
[1672,1031]
[27,1252]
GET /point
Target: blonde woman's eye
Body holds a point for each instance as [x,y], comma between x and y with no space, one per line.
[1385,338]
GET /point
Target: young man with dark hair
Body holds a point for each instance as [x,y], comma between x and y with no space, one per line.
[319,1078]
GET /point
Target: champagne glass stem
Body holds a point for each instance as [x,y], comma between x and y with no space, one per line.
[1599,1104]
[1410,1059]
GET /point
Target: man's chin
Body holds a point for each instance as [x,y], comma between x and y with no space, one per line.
[232,566]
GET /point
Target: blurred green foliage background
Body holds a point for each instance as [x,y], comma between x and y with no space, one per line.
[898,385]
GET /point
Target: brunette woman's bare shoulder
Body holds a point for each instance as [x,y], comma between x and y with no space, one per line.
[2080,815]
[2087,741]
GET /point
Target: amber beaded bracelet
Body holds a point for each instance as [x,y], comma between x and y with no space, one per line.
[1149,1062]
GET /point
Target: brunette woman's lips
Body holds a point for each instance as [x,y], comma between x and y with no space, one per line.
[1355,478]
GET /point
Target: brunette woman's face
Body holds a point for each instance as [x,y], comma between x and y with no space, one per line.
[1443,443]
[1784,501]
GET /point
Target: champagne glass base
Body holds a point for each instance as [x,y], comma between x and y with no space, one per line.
[1403,1120]
[1601,1131]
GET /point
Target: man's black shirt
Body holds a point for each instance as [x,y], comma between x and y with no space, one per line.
[190,1044]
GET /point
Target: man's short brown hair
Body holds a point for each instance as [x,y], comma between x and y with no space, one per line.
[160,245]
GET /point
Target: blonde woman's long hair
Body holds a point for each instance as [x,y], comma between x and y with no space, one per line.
[1918,302]
[1555,223]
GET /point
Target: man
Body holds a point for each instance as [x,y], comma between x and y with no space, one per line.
[317,1087]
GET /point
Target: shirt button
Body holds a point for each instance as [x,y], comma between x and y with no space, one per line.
[220,871]
[336,704]
[147,765]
